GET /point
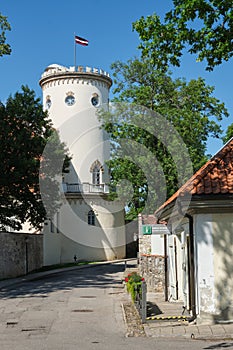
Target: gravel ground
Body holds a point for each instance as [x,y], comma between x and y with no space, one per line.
[134,324]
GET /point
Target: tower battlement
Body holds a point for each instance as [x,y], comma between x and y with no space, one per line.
[55,68]
[56,71]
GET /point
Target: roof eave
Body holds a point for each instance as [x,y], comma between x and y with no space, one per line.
[207,203]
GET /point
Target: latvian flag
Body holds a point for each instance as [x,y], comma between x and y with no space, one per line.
[81,41]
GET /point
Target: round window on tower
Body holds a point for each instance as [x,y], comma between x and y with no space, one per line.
[48,102]
[95,100]
[70,100]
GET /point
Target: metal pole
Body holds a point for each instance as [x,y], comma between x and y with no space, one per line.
[144,304]
[192,266]
[26,255]
[165,269]
[74,53]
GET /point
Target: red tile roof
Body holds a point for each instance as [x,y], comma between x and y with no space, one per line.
[214,177]
[148,219]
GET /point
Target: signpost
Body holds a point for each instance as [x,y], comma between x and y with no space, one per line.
[158,229]
[146,230]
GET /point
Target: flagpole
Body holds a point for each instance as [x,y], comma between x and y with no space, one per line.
[74,53]
[80,41]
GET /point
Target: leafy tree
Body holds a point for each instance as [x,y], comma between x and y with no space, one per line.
[188,109]
[229,134]
[205,27]
[25,130]
[4,26]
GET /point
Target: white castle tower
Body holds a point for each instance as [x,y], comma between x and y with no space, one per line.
[88,226]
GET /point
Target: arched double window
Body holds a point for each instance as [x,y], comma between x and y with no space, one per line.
[91,218]
[96,175]
[96,170]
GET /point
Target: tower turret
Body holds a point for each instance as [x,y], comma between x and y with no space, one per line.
[72,98]
[88,225]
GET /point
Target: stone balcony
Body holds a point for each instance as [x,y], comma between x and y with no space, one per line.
[84,188]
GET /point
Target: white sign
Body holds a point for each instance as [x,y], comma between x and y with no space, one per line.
[160,229]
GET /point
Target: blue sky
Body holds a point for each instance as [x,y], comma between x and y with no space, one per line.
[43,33]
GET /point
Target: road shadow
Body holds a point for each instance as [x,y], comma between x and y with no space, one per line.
[220,346]
[153,309]
[101,276]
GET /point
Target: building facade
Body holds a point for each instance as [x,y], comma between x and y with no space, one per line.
[200,244]
[88,226]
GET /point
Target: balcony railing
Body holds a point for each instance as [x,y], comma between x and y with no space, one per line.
[84,188]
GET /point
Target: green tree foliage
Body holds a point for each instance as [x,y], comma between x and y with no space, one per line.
[188,109]
[4,26]
[229,134]
[204,27]
[25,130]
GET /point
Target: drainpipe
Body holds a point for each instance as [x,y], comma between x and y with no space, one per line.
[192,262]
[165,268]
[192,267]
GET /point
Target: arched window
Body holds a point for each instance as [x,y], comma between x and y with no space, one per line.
[91,218]
[96,170]
[96,175]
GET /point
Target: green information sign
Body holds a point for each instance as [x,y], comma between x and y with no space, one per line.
[147,230]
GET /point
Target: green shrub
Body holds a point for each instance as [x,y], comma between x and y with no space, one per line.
[134,284]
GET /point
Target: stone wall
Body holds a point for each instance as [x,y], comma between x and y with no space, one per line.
[145,244]
[151,267]
[20,253]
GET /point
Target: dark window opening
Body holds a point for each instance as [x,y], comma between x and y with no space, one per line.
[91,218]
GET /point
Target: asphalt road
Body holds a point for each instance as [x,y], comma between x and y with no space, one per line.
[78,309]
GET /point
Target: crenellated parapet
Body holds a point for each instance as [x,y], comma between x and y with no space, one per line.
[54,71]
[56,68]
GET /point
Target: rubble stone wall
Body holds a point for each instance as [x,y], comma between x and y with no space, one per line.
[151,267]
[20,253]
[144,244]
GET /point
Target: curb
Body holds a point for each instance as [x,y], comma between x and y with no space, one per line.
[213,338]
[168,318]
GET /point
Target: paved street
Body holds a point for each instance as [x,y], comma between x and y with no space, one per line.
[75,309]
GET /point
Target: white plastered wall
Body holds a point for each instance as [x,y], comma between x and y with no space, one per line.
[214,234]
[104,241]
[203,228]
[223,264]
[157,244]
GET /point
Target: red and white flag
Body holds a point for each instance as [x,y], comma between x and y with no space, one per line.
[81,41]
